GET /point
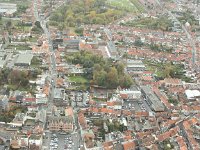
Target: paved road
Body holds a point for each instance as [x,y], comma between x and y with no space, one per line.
[52,67]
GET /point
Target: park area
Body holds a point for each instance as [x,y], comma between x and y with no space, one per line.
[128,5]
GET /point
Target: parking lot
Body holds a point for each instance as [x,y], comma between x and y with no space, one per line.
[64,141]
[137,105]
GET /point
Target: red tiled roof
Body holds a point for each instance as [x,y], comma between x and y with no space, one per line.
[168,134]
[129,145]
[30,99]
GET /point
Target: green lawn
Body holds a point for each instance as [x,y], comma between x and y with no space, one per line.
[128,5]
[78,79]
[19,47]
[138,5]
[163,70]
[33,39]
[99,99]
[24,28]
[81,83]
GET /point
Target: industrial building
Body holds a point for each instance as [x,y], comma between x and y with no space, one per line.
[24,60]
[152,100]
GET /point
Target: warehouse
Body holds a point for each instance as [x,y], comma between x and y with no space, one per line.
[24,60]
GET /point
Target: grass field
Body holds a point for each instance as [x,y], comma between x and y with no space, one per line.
[128,5]
[78,79]
[81,83]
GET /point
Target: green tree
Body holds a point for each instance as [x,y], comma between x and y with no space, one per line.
[38,25]
[125,81]
[120,68]
[112,78]
[101,78]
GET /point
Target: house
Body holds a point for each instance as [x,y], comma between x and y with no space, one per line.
[41,98]
[88,137]
[75,70]
[57,42]
[62,123]
[129,145]
[131,94]
[35,139]
[19,143]
[172,82]
[19,119]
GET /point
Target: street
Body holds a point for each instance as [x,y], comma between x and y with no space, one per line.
[56,140]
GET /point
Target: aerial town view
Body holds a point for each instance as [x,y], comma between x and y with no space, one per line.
[99,74]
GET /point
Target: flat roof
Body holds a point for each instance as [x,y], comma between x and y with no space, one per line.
[111,46]
[58,93]
[2,54]
[136,66]
[24,59]
[157,105]
[2,62]
[192,93]
[134,62]
[8,8]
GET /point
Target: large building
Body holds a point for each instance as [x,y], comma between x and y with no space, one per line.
[72,44]
[134,66]
[62,124]
[59,97]
[152,100]
[131,94]
[7,9]
[112,50]
[24,60]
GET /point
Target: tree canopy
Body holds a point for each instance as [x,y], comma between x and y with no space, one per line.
[102,72]
[79,12]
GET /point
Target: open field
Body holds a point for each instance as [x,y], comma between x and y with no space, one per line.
[128,5]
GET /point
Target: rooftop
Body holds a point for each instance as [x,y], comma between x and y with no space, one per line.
[156,104]
[24,59]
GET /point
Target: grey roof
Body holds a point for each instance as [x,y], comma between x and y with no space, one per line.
[135,63]
[2,54]
[156,104]
[5,135]
[111,46]
[72,42]
[2,147]
[58,93]
[8,8]
[24,59]
[2,63]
